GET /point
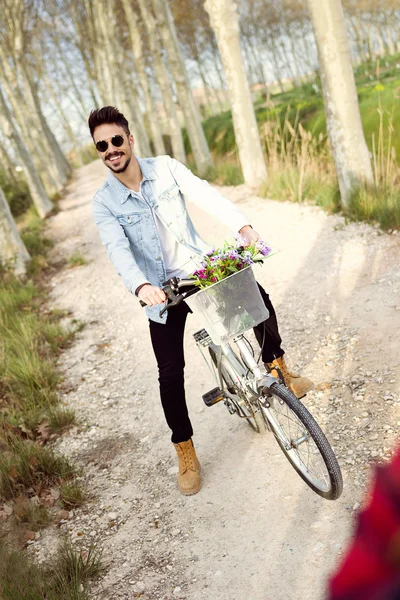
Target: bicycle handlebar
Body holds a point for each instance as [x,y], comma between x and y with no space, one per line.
[170,288]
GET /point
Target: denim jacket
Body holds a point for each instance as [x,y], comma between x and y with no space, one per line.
[127,224]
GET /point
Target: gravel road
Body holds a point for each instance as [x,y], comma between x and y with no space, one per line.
[255,530]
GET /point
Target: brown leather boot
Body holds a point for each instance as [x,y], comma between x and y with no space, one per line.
[296,384]
[189,468]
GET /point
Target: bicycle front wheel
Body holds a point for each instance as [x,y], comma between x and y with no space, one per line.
[303,442]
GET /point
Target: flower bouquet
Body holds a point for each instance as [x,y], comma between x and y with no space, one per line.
[219,263]
[229,300]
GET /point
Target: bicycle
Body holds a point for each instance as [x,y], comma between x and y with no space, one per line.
[247,390]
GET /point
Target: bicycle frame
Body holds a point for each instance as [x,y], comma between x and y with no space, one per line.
[239,370]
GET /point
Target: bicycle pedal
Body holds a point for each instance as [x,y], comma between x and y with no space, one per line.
[213,396]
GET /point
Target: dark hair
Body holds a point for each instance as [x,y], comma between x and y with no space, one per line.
[109,115]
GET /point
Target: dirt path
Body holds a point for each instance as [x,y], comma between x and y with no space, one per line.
[255,530]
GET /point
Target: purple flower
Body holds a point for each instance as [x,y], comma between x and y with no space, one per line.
[214,279]
[210,252]
[263,248]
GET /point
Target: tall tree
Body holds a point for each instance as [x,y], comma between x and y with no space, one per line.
[40,199]
[19,24]
[176,62]
[164,81]
[346,136]
[12,249]
[140,68]
[225,22]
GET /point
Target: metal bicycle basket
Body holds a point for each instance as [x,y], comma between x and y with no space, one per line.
[231,306]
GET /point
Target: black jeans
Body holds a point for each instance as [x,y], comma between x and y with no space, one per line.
[167,341]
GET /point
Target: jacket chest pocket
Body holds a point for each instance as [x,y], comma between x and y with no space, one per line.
[131,223]
[171,204]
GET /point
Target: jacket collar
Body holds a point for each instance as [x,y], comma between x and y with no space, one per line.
[120,190]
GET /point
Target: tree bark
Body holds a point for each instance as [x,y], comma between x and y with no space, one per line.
[40,199]
[225,22]
[198,142]
[12,249]
[349,149]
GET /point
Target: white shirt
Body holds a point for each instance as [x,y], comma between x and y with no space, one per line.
[177,258]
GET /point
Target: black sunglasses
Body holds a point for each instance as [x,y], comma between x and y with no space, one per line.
[116,140]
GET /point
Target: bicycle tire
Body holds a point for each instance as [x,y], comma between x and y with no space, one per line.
[257,421]
[282,393]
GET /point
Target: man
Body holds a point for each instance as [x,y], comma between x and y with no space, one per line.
[141,215]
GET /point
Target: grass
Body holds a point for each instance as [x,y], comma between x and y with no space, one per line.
[67,578]
[72,570]
[226,171]
[31,340]
[37,244]
[36,517]
[76,260]
[30,343]
[60,419]
[376,205]
[292,128]
[72,495]
[25,464]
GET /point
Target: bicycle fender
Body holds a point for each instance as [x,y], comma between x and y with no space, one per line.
[267,381]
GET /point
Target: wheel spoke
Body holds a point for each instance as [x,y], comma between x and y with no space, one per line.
[305,455]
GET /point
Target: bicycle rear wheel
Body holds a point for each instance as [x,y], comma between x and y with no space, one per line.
[302,441]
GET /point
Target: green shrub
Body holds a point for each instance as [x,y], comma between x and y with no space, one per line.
[65,579]
[16,192]
[376,205]
[72,495]
[25,463]
[33,516]
[60,419]
[76,259]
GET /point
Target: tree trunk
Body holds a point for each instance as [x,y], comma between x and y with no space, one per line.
[349,149]
[61,162]
[67,126]
[104,53]
[7,164]
[198,142]
[391,46]
[34,141]
[39,196]
[140,68]
[173,125]
[225,22]
[12,249]
[206,88]
[360,38]
[381,43]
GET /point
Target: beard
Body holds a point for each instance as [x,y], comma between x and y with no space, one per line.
[120,169]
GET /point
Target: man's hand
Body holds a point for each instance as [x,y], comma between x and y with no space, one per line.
[248,235]
[151,294]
